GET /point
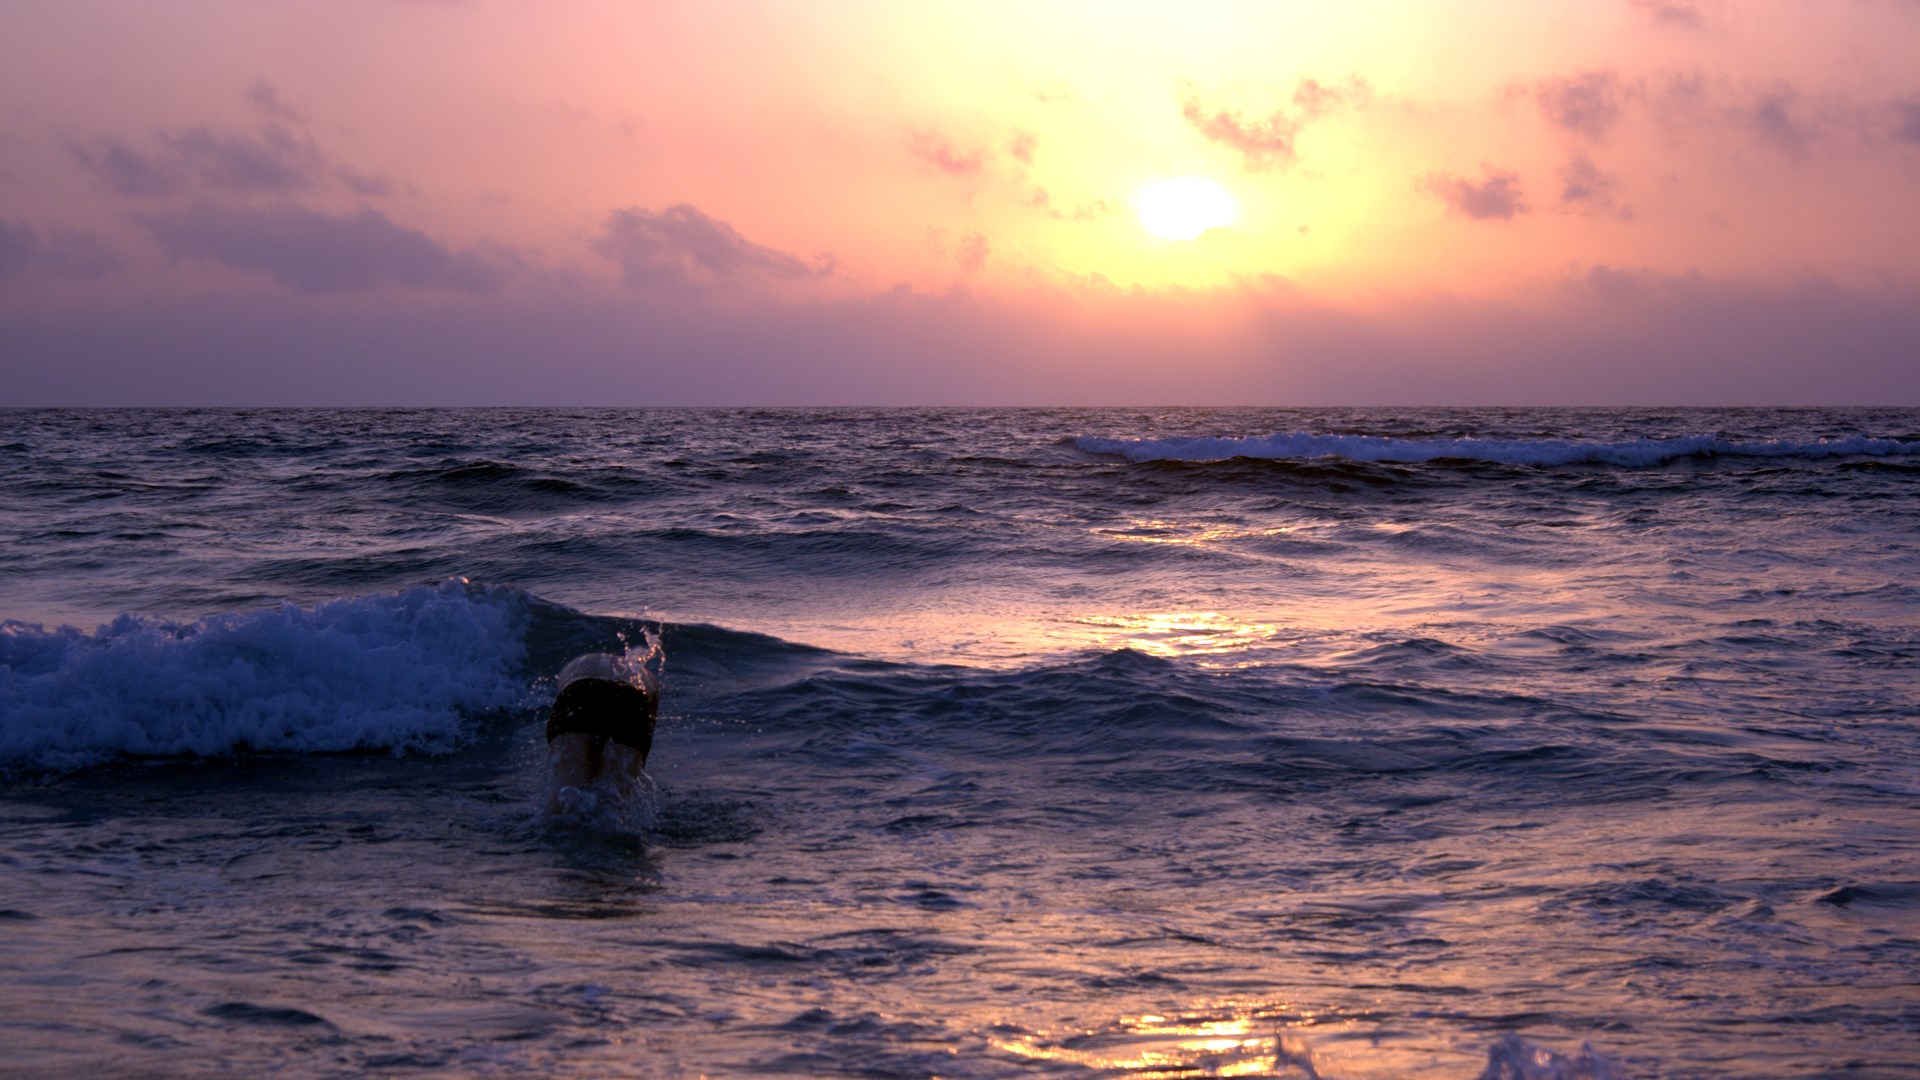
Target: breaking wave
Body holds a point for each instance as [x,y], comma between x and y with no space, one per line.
[397,671]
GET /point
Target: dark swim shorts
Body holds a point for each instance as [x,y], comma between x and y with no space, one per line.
[613,710]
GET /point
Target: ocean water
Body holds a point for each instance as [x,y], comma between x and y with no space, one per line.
[1152,742]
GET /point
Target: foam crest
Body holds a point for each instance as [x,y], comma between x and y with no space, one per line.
[391,671]
[1541,452]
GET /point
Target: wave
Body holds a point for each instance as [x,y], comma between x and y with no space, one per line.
[395,671]
[432,669]
[1536,452]
[482,485]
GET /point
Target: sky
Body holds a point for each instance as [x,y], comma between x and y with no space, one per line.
[435,202]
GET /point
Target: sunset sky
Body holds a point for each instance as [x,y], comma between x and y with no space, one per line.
[508,202]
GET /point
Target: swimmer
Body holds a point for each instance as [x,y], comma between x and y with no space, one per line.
[600,728]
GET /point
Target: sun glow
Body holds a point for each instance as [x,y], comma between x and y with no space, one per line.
[1184,207]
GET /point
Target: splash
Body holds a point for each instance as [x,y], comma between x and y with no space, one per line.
[622,799]
[646,662]
[1514,1058]
[611,806]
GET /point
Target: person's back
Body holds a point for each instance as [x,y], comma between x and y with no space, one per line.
[600,728]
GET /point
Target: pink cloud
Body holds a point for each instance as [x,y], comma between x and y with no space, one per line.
[1261,144]
[939,153]
[1497,196]
[972,252]
[1022,146]
[1316,99]
[1587,189]
[1671,12]
[681,247]
[1040,199]
[1775,119]
[1272,142]
[1587,105]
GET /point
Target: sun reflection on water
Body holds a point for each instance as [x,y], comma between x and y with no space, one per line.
[1181,633]
[1188,533]
[1165,1048]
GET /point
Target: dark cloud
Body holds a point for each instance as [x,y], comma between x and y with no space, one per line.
[19,247]
[78,255]
[1587,189]
[314,252]
[124,170]
[1616,285]
[1773,118]
[1907,121]
[939,153]
[23,251]
[1587,105]
[1496,197]
[276,157]
[1776,116]
[680,247]
[1613,335]
[365,185]
[265,98]
[272,160]
[1670,12]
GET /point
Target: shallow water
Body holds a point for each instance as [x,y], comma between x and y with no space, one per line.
[993,742]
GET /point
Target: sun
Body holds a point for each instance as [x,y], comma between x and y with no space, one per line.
[1184,207]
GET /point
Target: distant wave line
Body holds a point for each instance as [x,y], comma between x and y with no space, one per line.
[1372,448]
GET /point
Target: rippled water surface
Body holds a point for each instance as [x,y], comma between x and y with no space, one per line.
[1349,743]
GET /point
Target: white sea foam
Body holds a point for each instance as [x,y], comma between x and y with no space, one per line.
[1514,1058]
[1631,452]
[397,671]
[612,805]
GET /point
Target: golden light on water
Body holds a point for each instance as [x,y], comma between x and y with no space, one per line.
[1153,1046]
[1196,533]
[1180,633]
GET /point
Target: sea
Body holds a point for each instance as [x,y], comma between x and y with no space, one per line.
[1509,744]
